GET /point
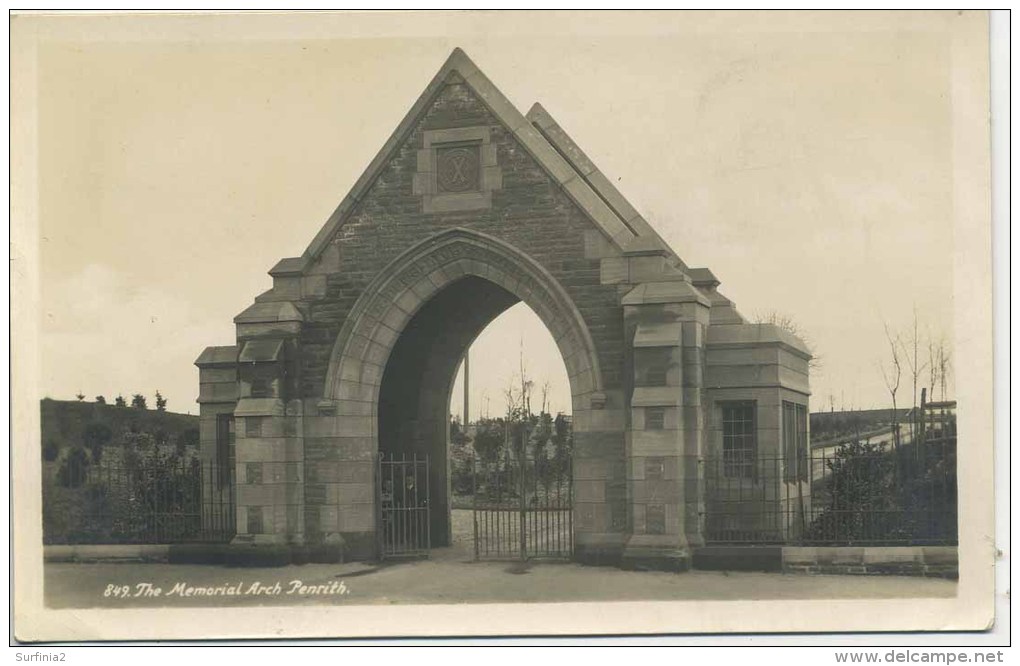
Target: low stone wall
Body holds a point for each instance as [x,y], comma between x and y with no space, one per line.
[100,552]
[940,561]
[235,555]
[738,558]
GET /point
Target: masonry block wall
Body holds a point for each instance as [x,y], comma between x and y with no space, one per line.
[767,368]
[530,211]
[339,362]
[217,399]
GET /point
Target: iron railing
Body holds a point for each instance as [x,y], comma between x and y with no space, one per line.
[403,489]
[152,500]
[852,493]
[523,508]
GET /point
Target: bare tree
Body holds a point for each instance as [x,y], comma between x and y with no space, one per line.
[945,363]
[510,397]
[780,319]
[910,351]
[527,385]
[545,396]
[939,363]
[485,404]
[787,323]
[892,370]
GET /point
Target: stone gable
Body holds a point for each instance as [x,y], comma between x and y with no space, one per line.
[530,211]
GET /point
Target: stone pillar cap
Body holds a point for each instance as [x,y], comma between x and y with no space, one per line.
[212,356]
[703,278]
[272,311]
[289,267]
[676,291]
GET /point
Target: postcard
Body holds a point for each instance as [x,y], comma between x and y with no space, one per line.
[497,323]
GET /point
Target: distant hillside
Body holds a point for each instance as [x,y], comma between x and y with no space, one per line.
[833,424]
[84,487]
[64,422]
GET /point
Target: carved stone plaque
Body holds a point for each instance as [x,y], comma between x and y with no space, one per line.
[655,519]
[457,169]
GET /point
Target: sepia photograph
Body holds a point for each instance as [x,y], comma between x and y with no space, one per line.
[500,323]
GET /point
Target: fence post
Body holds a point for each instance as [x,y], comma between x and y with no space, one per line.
[522,491]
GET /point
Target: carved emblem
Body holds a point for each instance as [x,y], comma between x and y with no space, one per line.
[457,169]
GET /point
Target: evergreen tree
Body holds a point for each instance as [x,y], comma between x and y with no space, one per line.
[95,437]
[51,451]
[73,471]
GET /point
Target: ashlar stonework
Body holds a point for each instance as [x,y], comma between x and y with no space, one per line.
[469,208]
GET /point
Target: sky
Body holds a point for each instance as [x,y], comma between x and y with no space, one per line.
[808,163]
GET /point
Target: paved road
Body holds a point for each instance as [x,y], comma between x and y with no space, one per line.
[884,437]
[449,576]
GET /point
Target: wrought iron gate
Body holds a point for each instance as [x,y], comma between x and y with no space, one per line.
[402,487]
[523,508]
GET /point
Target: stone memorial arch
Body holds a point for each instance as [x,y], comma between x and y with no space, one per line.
[469,208]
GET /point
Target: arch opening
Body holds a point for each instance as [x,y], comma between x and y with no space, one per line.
[416,391]
[414,395]
[396,360]
[516,343]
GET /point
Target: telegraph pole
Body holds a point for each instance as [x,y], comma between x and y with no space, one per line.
[467,371]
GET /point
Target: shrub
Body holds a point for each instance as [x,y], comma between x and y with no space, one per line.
[162,496]
[95,437]
[874,494]
[74,469]
[50,451]
[189,439]
[858,488]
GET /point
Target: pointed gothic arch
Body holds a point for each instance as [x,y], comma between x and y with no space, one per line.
[471,206]
[409,281]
